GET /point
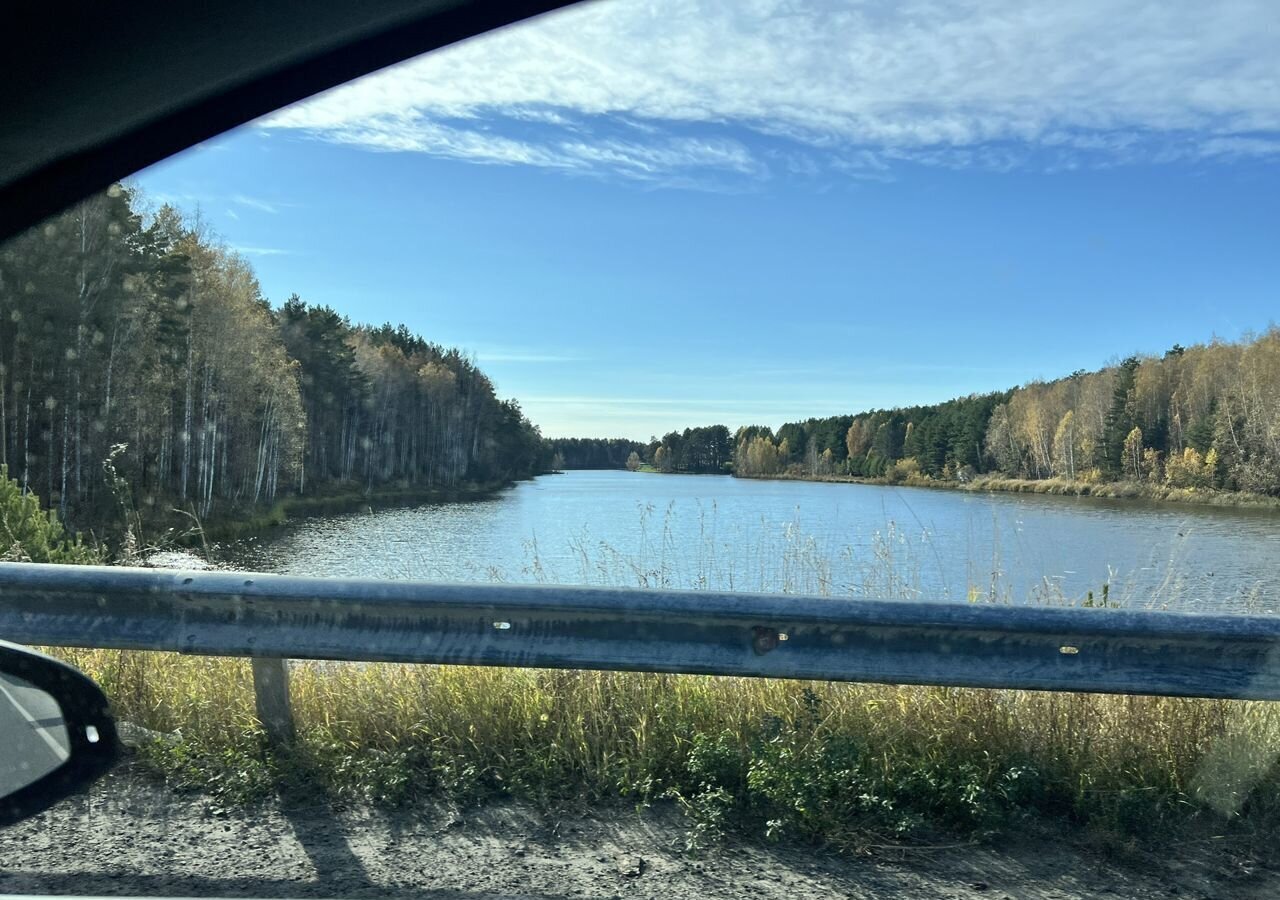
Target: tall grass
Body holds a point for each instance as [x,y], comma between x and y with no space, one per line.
[890,562]
[829,762]
[1118,490]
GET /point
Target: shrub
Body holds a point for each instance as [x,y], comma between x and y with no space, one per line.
[29,534]
[1189,470]
[907,470]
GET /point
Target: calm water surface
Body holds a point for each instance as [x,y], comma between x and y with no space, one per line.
[622,528]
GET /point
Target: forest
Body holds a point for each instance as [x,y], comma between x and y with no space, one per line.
[695,451]
[593,453]
[1204,417]
[140,365]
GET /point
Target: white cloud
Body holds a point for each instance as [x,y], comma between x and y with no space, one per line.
[262,251]
[673,88]
[520,355]
[254,203]
[1232,146]
[655,402]
[528,358]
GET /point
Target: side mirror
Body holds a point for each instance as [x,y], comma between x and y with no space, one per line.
[56,735]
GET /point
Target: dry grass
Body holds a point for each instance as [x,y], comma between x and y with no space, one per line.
[1120,490]
[827,762]
[1061,487]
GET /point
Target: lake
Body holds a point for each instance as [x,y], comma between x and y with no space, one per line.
[690,531]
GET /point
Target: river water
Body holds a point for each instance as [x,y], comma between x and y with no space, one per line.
[689,531]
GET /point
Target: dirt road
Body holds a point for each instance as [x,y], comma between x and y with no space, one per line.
[132,836]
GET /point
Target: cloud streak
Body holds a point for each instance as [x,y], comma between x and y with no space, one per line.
[254,203]
[668,90]
[262,251]
[534,358]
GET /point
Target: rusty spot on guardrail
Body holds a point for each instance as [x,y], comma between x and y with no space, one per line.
[764,639]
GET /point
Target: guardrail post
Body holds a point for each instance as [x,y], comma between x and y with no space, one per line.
[271,691]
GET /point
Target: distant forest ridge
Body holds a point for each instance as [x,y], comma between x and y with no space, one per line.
[1205,416]
[142,339]
[595,453]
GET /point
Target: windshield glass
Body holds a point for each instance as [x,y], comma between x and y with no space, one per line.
[968,307]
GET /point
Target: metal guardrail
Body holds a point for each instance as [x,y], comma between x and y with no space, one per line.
[695,632]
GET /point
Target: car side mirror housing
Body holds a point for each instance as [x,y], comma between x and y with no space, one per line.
[56,732]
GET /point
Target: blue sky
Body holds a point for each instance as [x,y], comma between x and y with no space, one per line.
[644,216]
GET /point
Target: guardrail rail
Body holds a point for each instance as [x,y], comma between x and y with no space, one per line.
[272,618]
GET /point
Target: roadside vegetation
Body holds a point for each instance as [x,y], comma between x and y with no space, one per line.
[836,764]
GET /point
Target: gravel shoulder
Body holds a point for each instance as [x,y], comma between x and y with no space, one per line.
[131,836]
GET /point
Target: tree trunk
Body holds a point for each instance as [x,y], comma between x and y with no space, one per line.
[26,432]
[4,417]
[62,497]
[186,420]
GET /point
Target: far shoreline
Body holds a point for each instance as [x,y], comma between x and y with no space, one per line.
[258,521]
[1055,487]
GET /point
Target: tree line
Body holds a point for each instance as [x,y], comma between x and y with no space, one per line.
[944,440]
[694,451]
[1205,416]
[593,453]
[141,340]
